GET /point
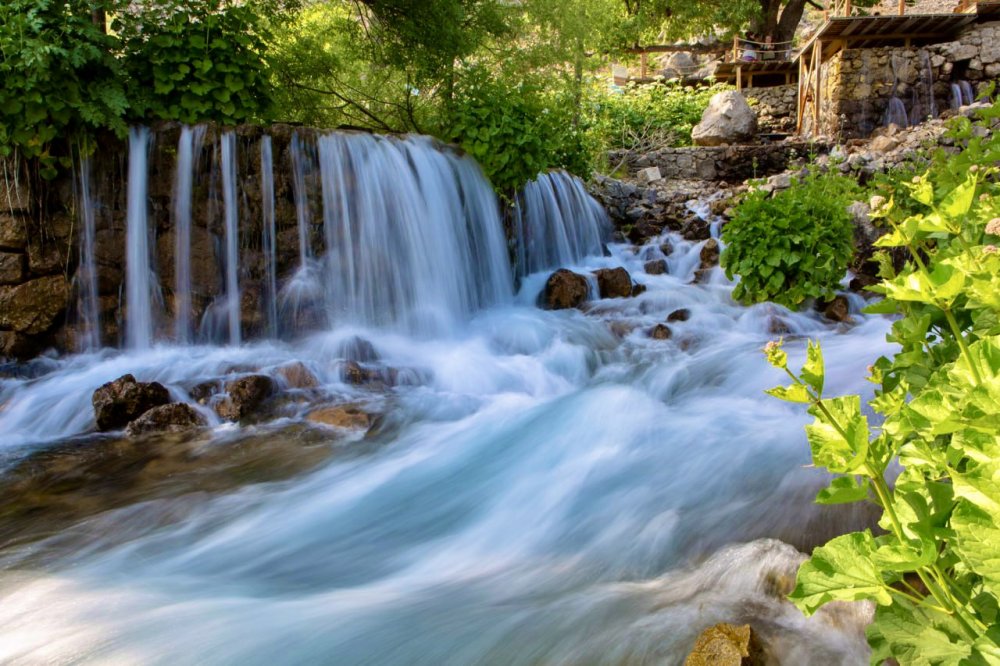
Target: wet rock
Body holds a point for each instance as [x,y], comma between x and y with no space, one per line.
[777,326]
[681,314]
[119,402]
[46,258]
[353,372]
[244,396]
[613,282]
[709,258]
[726,645]
[11,267]
[350,417]
[656,267]
[173,417]
[638,289]
[33,307]
[667,248]
[297,376]
[661,332]
[203,392]
[727,120]
[838,309]
[357,349]
[564,289]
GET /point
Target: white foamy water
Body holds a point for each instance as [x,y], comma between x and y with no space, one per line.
[554,487]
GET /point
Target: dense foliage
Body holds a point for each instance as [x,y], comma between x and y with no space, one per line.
[793,245]
[644,117]
[194,62]
[60,77]
[935,572]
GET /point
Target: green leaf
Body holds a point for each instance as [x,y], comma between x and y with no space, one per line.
[812,371]
[844,490]
[917,637]
[959,201]
[840,441]
[793,393]
[841,570]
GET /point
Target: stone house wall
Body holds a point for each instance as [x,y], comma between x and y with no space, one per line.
[859,83]
[775,106]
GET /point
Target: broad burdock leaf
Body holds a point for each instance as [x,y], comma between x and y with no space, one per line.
[844,490]
[841,570]
[917,637]
[840,441]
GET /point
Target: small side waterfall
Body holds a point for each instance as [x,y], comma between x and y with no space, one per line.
[138,283]
[188,149]
[557,223]
[968,94]
[926,102]
[231,216]
[90,335]
[413,237]
[895,113]
[955,99]
[269,238]
[303,157]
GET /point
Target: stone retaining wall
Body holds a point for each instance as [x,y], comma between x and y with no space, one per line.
[718,163]
[775,106]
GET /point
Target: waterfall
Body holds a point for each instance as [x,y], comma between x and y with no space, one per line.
[955,99]
[413,236]
[269,238]
[895,113]
[557,223]
[188,149]
[302,158]
[928,105]
[138,285]
[968,94]
[87,272]
[231,215]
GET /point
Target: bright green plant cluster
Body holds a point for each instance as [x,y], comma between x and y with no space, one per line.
[514,132]
[646,117]
[935,572]
[195,62]
[793,245]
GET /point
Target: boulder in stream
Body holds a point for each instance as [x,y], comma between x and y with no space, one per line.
[350,417]
[613,282]
[244,396]
[656,267]
[727,120]
[726,645]
[173,417]
[118,403]
[565,289]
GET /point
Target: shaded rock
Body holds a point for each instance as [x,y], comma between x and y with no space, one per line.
[564,289]
[34,306]
[341,416]
[837,309]
[202,392]
[244,396]
[667,248]
[297,376]
[709,258]
[727,120]
[777,326]
[726,645]
[638,289]
[11,267]
[613,282]
[656,267]
[649,175]
[661,332]
[682,314]
[119,402]
[353,372]
[173,417]
[13,230]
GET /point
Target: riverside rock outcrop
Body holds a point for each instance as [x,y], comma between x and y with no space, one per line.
[727,120]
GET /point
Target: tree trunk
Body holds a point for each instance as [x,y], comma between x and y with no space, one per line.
[789,22]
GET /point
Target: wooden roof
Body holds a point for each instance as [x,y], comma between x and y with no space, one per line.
[872,31]
[989,11]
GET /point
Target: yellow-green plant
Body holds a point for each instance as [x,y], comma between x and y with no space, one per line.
[935,571]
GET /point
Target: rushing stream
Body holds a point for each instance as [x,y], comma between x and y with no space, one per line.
[541,487]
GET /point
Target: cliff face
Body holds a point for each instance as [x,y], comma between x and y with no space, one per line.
[40,262]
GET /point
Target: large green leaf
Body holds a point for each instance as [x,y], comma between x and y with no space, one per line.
[839,442]
[841,570]
[917,637]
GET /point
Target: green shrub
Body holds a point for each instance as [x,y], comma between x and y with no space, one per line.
[794,245]
[935,572]
[646,117]
[196,61]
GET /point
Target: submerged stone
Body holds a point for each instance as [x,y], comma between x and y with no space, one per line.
[174,417]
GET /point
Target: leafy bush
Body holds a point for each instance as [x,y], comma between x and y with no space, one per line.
[645,117]
[60,78]
[935,573]
[794,245]
[196,61]
[515,132]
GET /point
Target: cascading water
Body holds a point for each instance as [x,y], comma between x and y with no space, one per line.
[546,487]
[968,94]
[231,217]
[90,330]
[302,160]
[955,98]
[269,240]
[138,277]
[413,237]
[188,150]
[895,113]
[558,223]
[926,101]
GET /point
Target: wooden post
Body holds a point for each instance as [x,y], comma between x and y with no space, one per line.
[902,7]
[739,77]
[736,48]
[847,8]
[801,101]
[643,63]
[818,72]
